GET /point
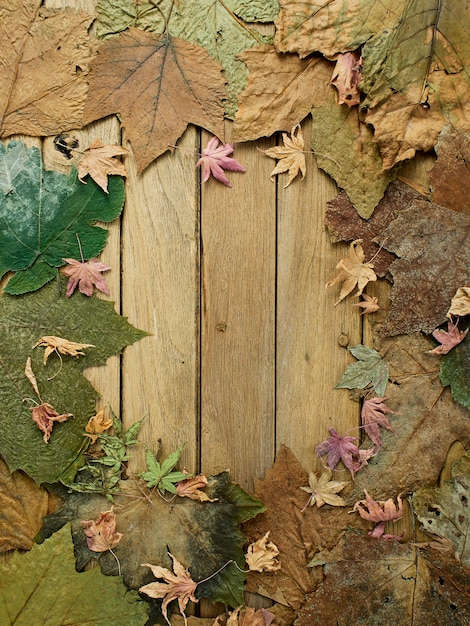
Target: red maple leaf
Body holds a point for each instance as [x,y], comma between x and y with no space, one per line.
[85,274]
[374,416]
[339,448]
[448,338]
[215,160]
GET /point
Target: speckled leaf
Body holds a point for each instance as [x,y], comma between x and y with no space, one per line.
[43,588]
[23,320]
[345,149]
[41,213]
[455,369]
[453,164]
[217,26]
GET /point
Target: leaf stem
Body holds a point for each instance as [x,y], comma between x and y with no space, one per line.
[204,580]
[80,247]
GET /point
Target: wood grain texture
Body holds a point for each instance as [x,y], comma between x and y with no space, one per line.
[238,228]
[160,294]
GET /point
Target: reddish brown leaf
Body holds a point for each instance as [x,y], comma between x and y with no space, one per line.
[338,449]
[448,338]
[101,533]
[346,77]
[158,84]
[85,275]
[380,511]
[44,415]
[453,164]
[99,161]
[374,416]
[191,488]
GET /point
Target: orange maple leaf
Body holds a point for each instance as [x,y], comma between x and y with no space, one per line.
[99,161]
[353,272]
[101,533]
[177,586]
[98,424]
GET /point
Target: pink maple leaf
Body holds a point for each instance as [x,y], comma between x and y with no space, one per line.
[215,160]
[448,338]
[336,448]
[374,416]
[85,274]
[380,512]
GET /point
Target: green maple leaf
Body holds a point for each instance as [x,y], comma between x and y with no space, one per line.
[455,371]
[370,368]
[41,214]
[42,587]
[23,320]
[161,475]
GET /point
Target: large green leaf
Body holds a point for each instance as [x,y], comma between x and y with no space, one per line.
[212,24]
[41,214]
[23,320]
[203,536]
[455,371]
[43,588]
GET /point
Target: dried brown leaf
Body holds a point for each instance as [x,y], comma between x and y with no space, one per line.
[44,415]
[101,533]
[261,555]
[99,161]
[453,164]
[191,488]
[323,490]
[369,304]
[346,77]
[246,616]
[98,424]
[448,338]
[353,272]
[460,304]
[28,371]
[61,346]
[291,156]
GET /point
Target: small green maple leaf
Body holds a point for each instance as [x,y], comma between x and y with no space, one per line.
[371,368]
[161,475]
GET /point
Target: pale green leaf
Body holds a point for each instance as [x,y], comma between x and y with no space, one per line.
[371,368]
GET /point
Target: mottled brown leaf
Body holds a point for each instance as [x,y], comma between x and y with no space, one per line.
[158,84]
[433,244]
[452,165]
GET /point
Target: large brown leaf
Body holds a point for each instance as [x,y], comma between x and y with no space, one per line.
[158,84]
[433,244]
[377,582]
[450,176]
[44,59]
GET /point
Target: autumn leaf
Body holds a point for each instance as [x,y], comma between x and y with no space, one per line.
[191,488]
[85,275]
[373,417]
[99,161]
[380,512]
[45,416]
[370,368]
[98,424]
[338,449]
[448,338]
[353,272]
[172,89]
[460,304]
[323,490]
[246,616]
[291,156]
[31,376]
[43,92]
[101,533]
[215,160]
[346,77]
[369,304]
[61,346]
[261,555]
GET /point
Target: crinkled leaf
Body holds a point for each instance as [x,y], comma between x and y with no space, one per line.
[23,319]
[42,212]
[455,371]
[43,587]
[371,368]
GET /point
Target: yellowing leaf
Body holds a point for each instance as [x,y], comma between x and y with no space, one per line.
[324,490]
[291,156]
[261,555]
[353,272]
[99,161]
[61,346]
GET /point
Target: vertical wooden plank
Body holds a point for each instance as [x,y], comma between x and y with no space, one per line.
[238,290]
[311,331]
[160,294]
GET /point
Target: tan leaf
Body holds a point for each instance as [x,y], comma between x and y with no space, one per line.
[61,346]
[346,77]
[44,415]
[353,272]
[246,616]
[291,156]
[101,533]
[177,586]
[28,370]
[369,304]
[261,555]
[98,424]
[324,490]
[99,161]
[191,488]
[460,304]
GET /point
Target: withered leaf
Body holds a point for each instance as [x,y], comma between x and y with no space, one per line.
[215,159]
[353,272]
[346,77]
[246,616]
[59,345]
[291,155]
[99,161]
[192,488]
[158,84]
[323,490]
[45,416]
[85,275]
[460,304]
[98,424]
[369,304]
[448,338]
[453,164]
[30,375]
[374,417]
[380,512]
[433,244]
[101,533]
[261,555]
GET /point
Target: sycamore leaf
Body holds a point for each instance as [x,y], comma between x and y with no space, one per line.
[48,569]
[448,338]
[460,304]
[177,586]
[373,417]
[99,161]
[324,490]
[338,449]
[43,212]
[191,488]
[369,304]
[172,90]
[291,156]
[22,320]
[261,555]
[370,368]
[380,512]
[98,424]
[61,346]
[43,92]
[85,275]
[161,475]
[215,160]
[455,371]
[346,76]
[101,533]
[353,272]
[45,416]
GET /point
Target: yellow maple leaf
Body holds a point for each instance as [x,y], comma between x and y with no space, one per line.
[291,156]
[61,346]
[353,272]
[99,161]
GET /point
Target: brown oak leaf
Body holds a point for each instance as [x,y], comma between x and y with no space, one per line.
[158,84]
[460,304]
[177,586]
[448,338]
[191,488]
[98,424]
[85,274]
[353,272]
[44,415]
[101,533]
[291,156]
[99,161]
[346,77]
[261,555]
[323,490]
[61,346]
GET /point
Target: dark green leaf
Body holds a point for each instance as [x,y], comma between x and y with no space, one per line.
[371,368]
[455,371]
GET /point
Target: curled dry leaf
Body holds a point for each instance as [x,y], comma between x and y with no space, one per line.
[448,338]
[324,490]
[374,416]
[460,304]
[85,274]
[30,375]
[61,346]
[191,488]
[261,555]
[177,586]
[99,161]
[369,304]
[291,156]
[44,415]
[346,77]
[101,533]
[353,272]
[246,616]
[380,511]
[98,424]
[215,160]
